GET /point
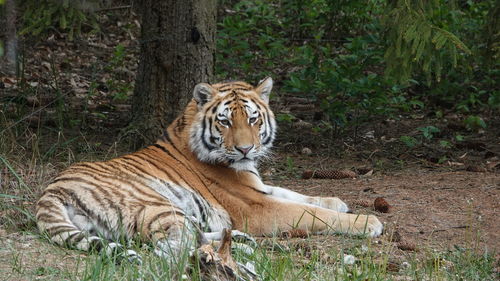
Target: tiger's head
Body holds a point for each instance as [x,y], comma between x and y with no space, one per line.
[234,124]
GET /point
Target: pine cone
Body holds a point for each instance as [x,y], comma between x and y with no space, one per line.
[477,169]
[307,174]
[395,237]
[295,233]
[381,205]
[406,246]
[361,203]
[328,174]
[392,266]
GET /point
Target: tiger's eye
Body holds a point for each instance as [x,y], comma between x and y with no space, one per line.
[225,122]
[252,120]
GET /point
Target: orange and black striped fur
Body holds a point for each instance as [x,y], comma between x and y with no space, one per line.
[202,174]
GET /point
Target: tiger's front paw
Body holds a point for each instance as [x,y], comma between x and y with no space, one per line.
[332,203]
[367,225]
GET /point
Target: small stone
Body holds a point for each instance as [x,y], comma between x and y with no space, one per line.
[368,189]
[349,259]
[32,101]
[369,135]
[302,125]
[448,265]
[366,172]
[306,151]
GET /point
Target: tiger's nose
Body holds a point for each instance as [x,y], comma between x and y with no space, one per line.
[244,149]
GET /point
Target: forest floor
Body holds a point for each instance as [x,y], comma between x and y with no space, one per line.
[73,99]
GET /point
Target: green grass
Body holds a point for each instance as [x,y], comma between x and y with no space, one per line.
[44,261]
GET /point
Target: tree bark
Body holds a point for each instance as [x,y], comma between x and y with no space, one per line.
[8,63]
[177,52]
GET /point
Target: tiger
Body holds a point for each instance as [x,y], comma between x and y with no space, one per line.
[200,176]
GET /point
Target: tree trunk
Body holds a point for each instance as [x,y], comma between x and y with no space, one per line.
[8,38]
[177,52]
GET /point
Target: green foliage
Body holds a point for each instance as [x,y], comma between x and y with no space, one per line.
[250,41]
[427,134]
[409,141]
[326,19]
[119,88]
[459,78]
[347,86]
[419,40]
[494,100]
[118,56]
[290,166]
[474,123]
[360,59]
[429,131]
[445,144]
[306,40]
[40,16]
[284,117]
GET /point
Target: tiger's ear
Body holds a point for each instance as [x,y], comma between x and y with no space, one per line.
[203,93]
[264,88]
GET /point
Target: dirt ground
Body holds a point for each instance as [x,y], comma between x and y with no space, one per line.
[431,209]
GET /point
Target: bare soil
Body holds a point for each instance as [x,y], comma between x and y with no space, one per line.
[431,209]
